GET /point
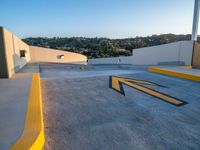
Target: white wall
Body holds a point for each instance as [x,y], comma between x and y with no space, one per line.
[186,52]
[173,53]
[113,60]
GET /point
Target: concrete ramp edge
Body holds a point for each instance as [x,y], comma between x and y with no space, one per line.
[32,137]
[173,73]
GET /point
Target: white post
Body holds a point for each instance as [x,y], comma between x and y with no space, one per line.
[195,20]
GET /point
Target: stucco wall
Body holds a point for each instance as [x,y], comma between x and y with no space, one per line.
[11,47]
[173,53]
[39,54]
[178,52]
[11,62]
[196,55]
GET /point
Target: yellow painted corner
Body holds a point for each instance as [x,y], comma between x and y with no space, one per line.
[32,137]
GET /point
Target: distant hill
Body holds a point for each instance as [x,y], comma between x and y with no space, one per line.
[104,47]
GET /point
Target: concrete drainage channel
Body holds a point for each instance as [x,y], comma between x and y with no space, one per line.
[33,134]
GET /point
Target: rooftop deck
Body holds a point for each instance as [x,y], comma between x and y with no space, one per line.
[82,112]
[13,107]
[104,107]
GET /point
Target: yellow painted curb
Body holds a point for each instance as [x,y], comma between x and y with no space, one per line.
[189,67]
[188,76]
[186,67]
[32,137]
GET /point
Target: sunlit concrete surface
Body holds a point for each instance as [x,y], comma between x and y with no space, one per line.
[14,98]
[82,71]
[14,95]
[82,112]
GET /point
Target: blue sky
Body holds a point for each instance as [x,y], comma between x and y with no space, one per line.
[96,18]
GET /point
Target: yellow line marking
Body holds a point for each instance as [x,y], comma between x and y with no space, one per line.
[186,67]
[32,137]
[189,67]
[188,76]
[116,84]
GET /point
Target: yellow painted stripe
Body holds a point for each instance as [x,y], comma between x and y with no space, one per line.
[183,75]
[156,94]
[118,81]
[32,137]
[186,67]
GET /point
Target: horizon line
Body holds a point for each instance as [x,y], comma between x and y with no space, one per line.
[101,37]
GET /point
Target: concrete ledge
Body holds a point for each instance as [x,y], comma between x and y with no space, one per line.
[187,67]
[193,77]
[32,137]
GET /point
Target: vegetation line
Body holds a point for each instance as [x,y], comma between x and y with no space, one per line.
[104,47]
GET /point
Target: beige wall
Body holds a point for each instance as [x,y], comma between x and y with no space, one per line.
[11,62]
[196,56]
[39,54]
[11,48]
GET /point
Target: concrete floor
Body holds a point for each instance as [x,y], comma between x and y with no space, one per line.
[14,97]
[13,106]
[81,112]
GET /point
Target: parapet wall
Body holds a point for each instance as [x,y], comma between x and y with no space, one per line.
[10,48]
[112,60]
[14,54]
[39,54]
[166,54]
[177,53]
